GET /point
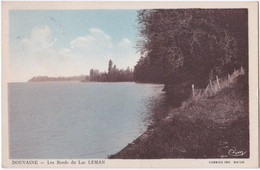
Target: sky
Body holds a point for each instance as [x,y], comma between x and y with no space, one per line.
[70,42]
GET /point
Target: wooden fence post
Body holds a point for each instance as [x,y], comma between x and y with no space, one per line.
[242,71]
[229,78]
[205,92]
[211,86]
[235,73]
[218,82]
[193,92]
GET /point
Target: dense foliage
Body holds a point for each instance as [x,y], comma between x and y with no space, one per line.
[113,74]
[190,46]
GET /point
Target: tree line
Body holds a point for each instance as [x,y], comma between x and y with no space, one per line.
[180,47]
[113,75]
[61,78]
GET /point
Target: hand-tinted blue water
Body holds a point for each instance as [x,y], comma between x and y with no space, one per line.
[77,120]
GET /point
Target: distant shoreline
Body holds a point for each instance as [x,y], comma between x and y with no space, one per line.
[81,78]
[85,82]
[57,79]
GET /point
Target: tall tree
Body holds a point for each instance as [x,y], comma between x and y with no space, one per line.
[110,65]
[190,45]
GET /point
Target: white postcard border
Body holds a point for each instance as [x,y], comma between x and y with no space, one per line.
[155,163]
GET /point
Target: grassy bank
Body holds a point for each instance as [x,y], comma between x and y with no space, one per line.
[207,128]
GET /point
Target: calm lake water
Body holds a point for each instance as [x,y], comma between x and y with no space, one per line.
[78,120]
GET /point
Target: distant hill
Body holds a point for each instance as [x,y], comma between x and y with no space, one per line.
[46,78]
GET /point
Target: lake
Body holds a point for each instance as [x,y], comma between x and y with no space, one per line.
[65,120]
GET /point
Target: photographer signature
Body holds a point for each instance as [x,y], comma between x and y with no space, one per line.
[234,152]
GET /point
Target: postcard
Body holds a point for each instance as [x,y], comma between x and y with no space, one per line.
[130,84]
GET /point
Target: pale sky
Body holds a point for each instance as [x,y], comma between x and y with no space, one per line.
[70,42]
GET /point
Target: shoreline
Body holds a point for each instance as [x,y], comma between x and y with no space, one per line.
[210,127]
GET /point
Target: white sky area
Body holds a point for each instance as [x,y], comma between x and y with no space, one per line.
[39,54]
